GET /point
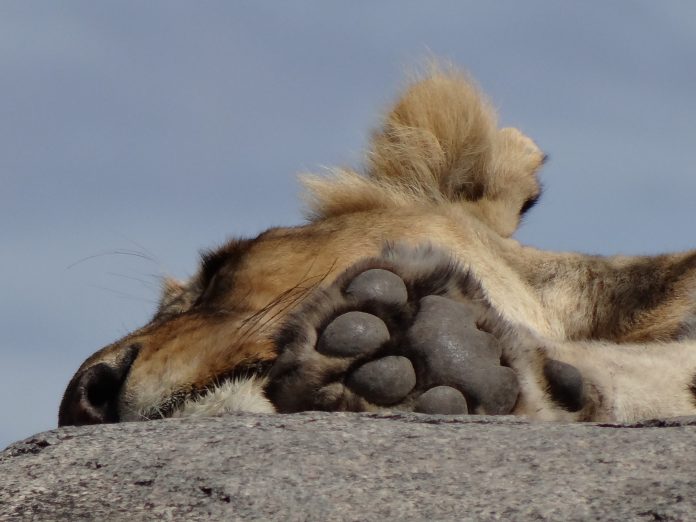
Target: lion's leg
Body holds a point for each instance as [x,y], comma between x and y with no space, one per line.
[601,381]
[412,331]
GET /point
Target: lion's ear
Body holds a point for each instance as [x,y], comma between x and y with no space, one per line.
[512,186]
[439,144]
[439,136]
[174,297]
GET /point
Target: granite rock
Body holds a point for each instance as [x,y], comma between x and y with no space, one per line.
[335,466]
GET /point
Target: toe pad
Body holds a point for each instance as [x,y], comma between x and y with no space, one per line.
[352,334]
[442,400]
[384,381]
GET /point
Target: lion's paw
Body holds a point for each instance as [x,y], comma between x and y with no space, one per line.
[401,332]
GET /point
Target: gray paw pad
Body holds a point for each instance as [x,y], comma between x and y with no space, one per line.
[450,326]
[452,351]
[380,285]
[565,385]
[442,400]
[384,381]
[352,334]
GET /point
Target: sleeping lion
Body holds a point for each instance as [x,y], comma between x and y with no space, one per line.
[405,291]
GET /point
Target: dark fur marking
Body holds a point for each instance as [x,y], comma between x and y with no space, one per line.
[531,202]
[639,290]
[470,191]
[214,262]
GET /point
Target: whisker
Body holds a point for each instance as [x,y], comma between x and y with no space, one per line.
[147,251]
[123,295]
[144,282]
[290,298]
[123,252]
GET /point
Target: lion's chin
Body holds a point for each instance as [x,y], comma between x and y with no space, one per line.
[234,394]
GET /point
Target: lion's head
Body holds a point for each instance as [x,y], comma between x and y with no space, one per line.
[439,171]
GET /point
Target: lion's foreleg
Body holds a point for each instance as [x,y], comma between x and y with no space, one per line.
[602,381]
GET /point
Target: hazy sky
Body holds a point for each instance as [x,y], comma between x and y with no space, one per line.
[159,128]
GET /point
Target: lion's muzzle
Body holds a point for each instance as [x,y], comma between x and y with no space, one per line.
[92,395]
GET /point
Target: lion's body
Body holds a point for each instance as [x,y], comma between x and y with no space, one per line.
[441,174]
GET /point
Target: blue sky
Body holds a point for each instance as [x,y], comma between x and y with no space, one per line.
[160,128]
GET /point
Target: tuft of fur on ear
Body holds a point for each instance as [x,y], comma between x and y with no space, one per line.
[433,145]
[438,144]
[438,138]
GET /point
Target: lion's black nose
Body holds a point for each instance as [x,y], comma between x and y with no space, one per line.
[92,395]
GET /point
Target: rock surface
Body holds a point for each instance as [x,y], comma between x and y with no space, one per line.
[320,466]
